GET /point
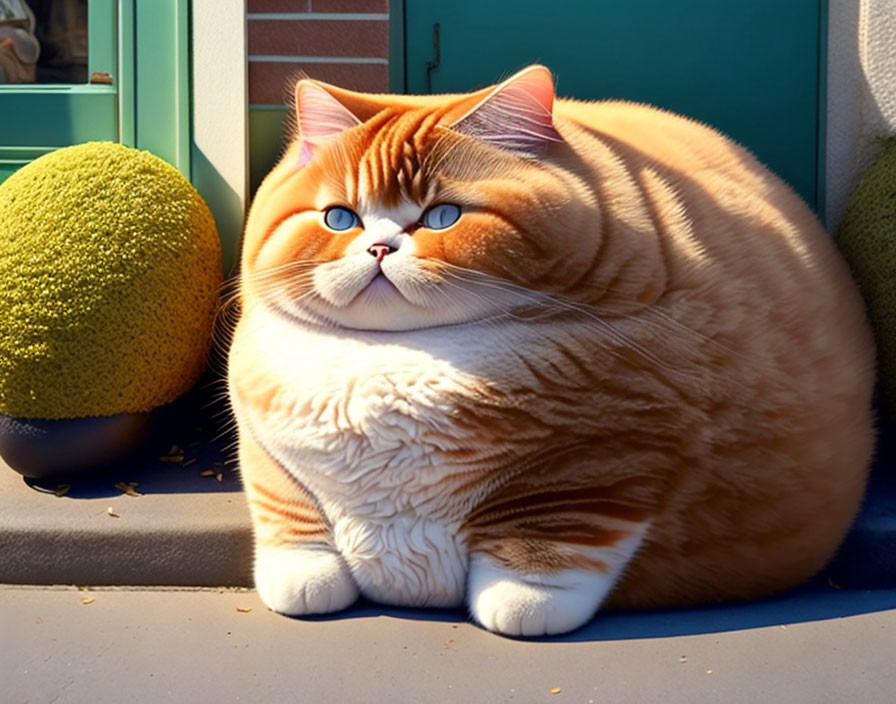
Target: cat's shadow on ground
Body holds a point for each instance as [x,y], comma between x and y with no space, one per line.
[818,601]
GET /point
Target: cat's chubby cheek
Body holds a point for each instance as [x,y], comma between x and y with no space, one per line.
[303,580]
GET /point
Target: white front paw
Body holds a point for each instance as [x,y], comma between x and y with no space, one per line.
[513,604]
[303,580]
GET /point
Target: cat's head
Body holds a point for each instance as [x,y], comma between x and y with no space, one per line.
[403,212]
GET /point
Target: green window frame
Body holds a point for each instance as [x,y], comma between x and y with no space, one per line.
[36,119]
[144,46]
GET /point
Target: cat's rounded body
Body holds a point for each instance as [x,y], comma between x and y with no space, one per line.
[633,371]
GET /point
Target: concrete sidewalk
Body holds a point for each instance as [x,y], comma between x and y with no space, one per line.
[189,526]
[135,646]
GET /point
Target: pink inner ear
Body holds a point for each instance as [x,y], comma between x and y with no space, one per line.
[538,85]
[305,153]
[320,116]
[516,116]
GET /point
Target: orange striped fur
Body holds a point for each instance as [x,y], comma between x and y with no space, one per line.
[634,371]
[282,512]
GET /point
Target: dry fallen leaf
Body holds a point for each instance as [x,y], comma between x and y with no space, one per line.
[243,610]
[128,488]
[88,600]
[62,489]
[207,473]
[111,512]
[189,462]
[556,690]
[175,454]
[219,477]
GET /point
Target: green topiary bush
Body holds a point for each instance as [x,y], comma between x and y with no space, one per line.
[867,238]
[109,269]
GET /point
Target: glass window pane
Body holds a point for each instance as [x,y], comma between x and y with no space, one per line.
[43,41]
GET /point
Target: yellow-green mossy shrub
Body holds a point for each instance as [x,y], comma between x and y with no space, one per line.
[867,238]
[110,265]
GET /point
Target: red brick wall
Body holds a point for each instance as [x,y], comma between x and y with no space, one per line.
[344,42]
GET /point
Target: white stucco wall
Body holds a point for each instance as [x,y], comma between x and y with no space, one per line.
[861,93]
[220,158]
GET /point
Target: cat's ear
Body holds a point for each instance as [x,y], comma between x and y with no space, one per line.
[320,116]
[516,115]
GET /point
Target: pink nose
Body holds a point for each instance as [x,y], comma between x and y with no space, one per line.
[380,250]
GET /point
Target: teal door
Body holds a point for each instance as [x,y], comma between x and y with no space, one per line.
[751,69]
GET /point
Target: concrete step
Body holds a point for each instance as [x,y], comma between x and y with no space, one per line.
[183,522]
[811,647]
[190,525]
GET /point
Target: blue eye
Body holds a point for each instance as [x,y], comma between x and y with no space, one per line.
[339,219]
[441,216]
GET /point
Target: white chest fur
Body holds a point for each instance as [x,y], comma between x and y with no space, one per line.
[367,422]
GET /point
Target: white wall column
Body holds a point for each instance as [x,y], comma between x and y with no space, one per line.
[861,93]
[220,158]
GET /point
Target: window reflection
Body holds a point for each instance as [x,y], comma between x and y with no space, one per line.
[43,41]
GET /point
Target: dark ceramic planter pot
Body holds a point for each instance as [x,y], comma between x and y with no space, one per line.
[70,447]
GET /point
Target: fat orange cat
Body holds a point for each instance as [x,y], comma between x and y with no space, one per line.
[536,357]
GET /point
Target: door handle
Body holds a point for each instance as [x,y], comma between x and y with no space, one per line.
[437,57]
